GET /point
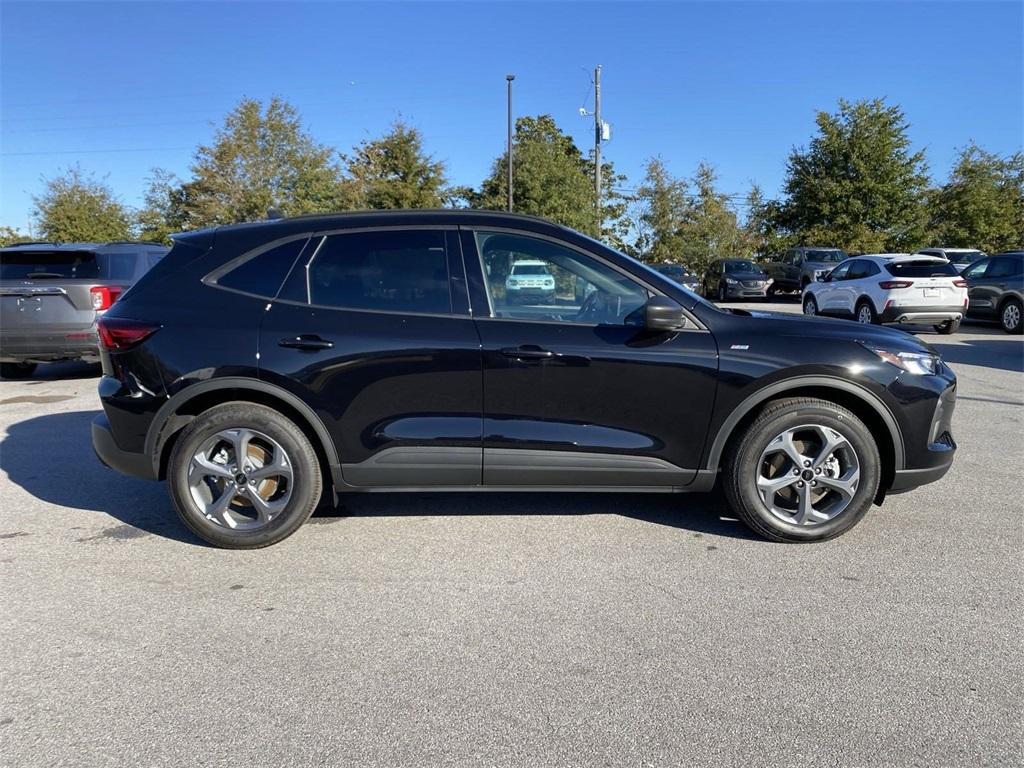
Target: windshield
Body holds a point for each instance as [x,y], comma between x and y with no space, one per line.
[35,265]
[830,256]
[673,271]
[529,269]
[742,266]
[965,257]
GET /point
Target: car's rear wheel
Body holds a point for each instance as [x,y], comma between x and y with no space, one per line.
[804,470]
[948,327]
[1010,317]
[866,313]
[243,476]
[16,370]
[810,305]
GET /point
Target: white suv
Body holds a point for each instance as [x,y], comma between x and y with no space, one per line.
[529,280]
[891,288]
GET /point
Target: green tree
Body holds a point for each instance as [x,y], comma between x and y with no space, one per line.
[982,204]
[260,159]
[395,172]
[552,178]
[76,207]
[665,206]
[11,236]
[162,213]
[858,186]
[760,231]
[710,228]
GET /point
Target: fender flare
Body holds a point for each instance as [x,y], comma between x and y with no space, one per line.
[755,399]
[156,437]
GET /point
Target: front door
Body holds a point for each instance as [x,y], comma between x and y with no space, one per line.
[372,330]
[576,391]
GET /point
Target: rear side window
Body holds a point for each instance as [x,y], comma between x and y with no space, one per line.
[388,271]
[52,265]
[263,274]
[118,266]
[1005,266]
[921,269]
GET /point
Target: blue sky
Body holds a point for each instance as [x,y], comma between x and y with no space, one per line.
[733,83]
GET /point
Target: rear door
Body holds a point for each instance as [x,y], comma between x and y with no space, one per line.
[576,392]
[372,330]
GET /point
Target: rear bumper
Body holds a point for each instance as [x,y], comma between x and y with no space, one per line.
[921,314]
[45,347]
[909,479]
[108,452]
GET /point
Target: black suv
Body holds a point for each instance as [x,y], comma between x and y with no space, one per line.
[259,364]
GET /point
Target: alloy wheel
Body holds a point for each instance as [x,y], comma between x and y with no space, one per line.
[808,475]
[810,306]
[864,315]
[240,479]
[1011,316]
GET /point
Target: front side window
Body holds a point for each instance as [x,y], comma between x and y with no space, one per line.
[841,272]
[978,269]
[386,270]
[1004,266]
[529,278]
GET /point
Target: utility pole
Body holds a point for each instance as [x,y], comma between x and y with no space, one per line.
[598,128]
[510,78]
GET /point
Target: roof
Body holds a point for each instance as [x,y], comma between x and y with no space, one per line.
[118,245]
[890,257]
[951,250]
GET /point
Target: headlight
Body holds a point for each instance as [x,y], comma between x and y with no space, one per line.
[917,363]
[730,281]
[769,281]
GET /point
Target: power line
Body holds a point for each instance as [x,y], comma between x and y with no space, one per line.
[94,151]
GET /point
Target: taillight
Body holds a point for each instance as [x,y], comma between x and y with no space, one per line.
[103,296]
[117,333]
[960,283]
[888,285]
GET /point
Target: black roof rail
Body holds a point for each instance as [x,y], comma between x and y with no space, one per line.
[135,242]
[31,242]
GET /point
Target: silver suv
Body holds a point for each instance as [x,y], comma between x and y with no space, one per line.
[51,295]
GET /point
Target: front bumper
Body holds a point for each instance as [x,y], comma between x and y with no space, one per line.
[108,452]
[921,314]
[929,454]
[741,291]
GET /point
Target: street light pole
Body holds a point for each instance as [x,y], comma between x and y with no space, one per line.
[598,128]
[510,78]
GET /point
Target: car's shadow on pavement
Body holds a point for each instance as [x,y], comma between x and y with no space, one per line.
[1005,354]
[51,457]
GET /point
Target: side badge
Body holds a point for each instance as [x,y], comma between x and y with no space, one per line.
[740,346]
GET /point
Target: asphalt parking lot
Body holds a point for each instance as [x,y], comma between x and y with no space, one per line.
[525,629]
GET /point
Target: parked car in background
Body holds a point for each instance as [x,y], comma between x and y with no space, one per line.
[530,281]
[800,266]
[995,287]
[680,273]
[390,360]
[961,258]
[735,279]
[51,295]
[891,288]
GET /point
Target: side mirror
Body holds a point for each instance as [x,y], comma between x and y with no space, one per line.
[823,277]
[662,315]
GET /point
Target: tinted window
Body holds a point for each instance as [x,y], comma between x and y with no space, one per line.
[574,287]
[921,269]
[827,256]
[1004,266]
[264,272]
[840,272]
[965,257]
[741,266]
[118,266]
[37,265]
[391,271]
[977,270]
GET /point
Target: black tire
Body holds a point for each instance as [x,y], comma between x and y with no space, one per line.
[741,467]
[1011,316]
[770,293]
[307,482]
[947,328]
[722,293]
[810,303]
[16,370]
[866,310]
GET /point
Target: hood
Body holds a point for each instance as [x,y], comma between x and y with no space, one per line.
[801,326]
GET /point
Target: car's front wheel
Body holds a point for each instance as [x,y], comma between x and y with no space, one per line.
[804,470]
[1010,317]
[243,476]
[722,292]
[810,305]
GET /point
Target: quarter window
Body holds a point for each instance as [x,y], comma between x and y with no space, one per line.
[263,274]
[529,278]
[386,270]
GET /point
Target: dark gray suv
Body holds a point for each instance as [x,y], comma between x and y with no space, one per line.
[51,295]
[995,289]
